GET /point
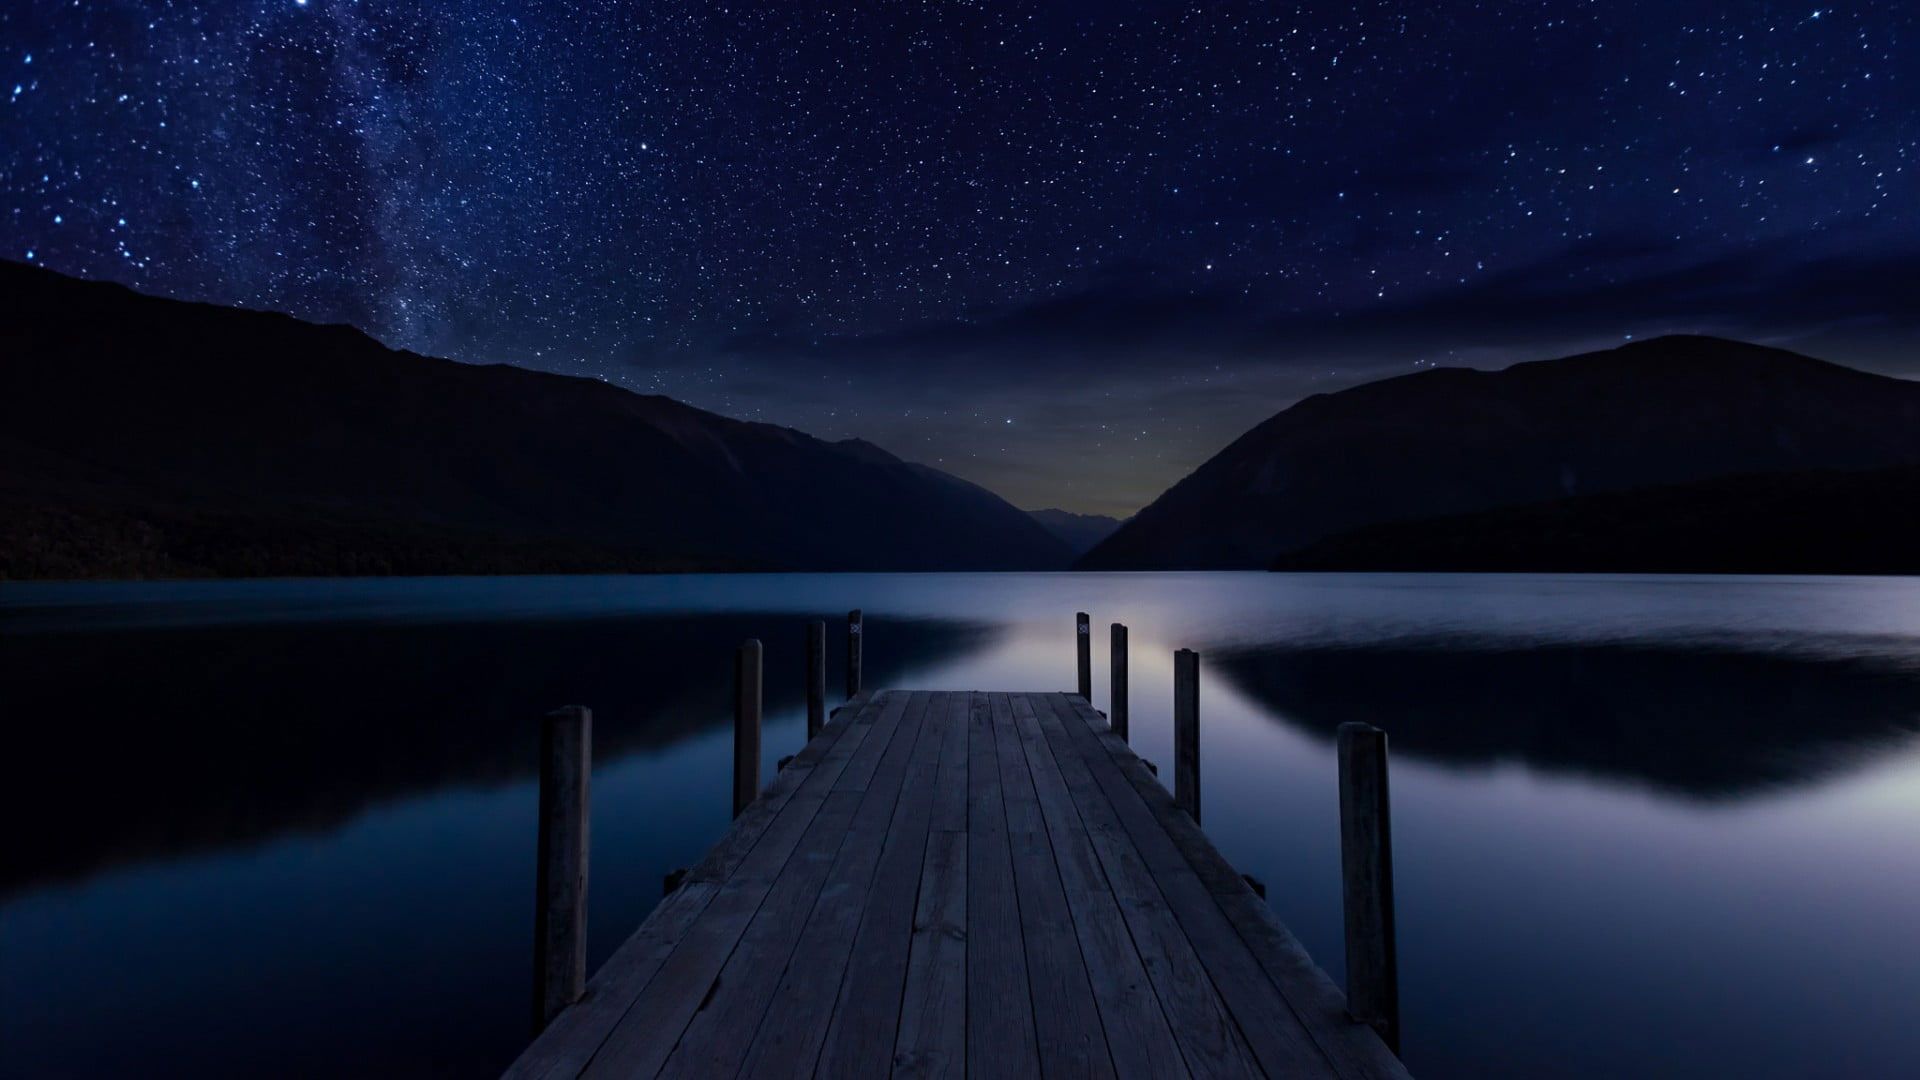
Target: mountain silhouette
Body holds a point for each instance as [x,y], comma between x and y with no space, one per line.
[142,436]
[1078,531]
[1672,410]
[1865,522]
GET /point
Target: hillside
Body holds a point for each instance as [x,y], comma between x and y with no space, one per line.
[1775,523]
[1668,411]
[149,437]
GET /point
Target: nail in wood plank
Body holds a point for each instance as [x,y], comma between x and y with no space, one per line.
[854,635]
[1083,641]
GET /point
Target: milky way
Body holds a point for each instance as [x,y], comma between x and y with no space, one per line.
[1067,250]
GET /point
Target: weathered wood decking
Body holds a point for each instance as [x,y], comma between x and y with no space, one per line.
[989,884]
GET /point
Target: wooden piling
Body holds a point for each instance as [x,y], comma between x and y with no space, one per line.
[1117,690]
[746,725]
[890,867]
[1083,639]
[816,678]
[1186,732]
[560,897]
[854,622]
[1366,859]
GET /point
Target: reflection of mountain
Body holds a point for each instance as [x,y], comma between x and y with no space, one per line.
[1708,724]
[210,737]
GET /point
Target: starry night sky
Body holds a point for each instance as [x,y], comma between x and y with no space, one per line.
[1066,250]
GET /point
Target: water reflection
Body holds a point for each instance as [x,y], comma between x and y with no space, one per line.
[286,828]
[1704,723]
[209,736]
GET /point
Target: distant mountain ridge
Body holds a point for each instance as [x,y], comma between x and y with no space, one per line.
[1674,410]
[1079,532]
[143,436]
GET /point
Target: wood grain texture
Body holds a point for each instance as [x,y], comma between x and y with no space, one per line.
[746,724]
[1083,655]
[816,679]
[572,1038]
[962,883]
[1352,1048]
[1066,1021]
[1139,1038]
[1209,1039]
[1366,866]
[1272,1031]
[866,1017]
[791,1033]
[1186,732]
[640,1042]
[856,640]
[1000,1036]
[560,896]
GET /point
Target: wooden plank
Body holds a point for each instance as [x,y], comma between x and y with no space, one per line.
[712,1044]
[950,793]
[570,1040]
[946,883]
[1209,1039]
[1351,1049]
[1138,1036]
[640,1042]
[860,1037]
[791,1031]
[933,1009]
[1275,1034]
[1066,1021]
[1000,1030]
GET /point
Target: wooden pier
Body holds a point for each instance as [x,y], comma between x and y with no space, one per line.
[988,884]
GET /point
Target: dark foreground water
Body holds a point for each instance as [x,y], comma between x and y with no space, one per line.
[1643,826]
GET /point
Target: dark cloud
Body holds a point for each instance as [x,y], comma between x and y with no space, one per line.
[1115,391]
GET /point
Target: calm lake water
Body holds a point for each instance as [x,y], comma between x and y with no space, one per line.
[1655,826]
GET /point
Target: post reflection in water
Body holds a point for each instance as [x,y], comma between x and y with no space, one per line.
[1655,826]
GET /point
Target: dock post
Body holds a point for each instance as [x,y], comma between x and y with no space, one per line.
[746,725]
[1117,668]
[854,621]
[1186,732]
[1366,860]
[560,896]
[1083,640]
[816,678]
